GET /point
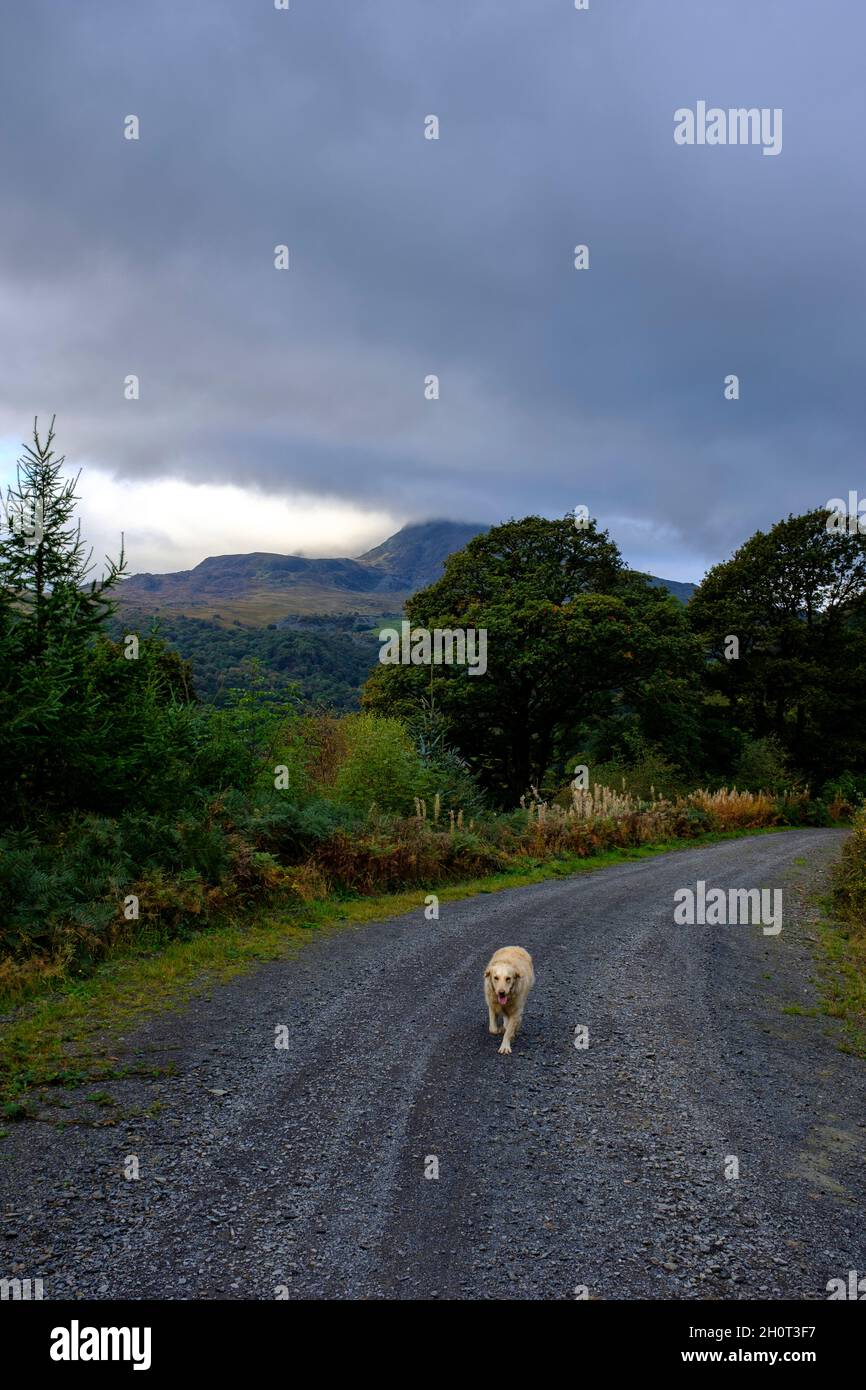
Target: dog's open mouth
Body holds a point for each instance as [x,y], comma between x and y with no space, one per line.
[503,998]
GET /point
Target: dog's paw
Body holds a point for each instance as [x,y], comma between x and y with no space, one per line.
[506,1046]
[494,1028]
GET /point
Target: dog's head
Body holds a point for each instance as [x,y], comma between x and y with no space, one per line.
[503,979]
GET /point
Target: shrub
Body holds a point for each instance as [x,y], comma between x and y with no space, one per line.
[404,855]
[737,810]
[290,830]
[447,781]
[381,768]
[802,810]
[762,766]
[644,771]
[54,894]
[843,795]
[849,877]
[447,775]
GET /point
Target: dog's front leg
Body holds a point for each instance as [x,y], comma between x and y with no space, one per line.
[510,1029]
[491,1015]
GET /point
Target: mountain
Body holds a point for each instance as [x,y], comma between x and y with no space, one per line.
[680,588]
[260,588]
[418,553]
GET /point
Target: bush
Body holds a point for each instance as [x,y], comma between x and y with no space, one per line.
[643,771]
[844,795]
[849,877]
[445,774]
[47,889]
[803,811]
[62,890]
[290,830]
[402,856]
[381,769]
[689,821]
[762,766]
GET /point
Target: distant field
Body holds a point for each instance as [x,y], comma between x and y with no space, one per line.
[263,607]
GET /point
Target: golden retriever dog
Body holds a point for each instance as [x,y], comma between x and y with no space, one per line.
[507,981]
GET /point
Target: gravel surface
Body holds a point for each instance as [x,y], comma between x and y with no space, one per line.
[302,1169]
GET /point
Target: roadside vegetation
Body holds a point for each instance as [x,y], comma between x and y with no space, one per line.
[843,934]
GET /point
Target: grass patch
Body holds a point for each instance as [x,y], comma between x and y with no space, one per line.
[67,1035]
[842,941]
[842,976]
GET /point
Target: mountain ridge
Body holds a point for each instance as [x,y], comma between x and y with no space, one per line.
[261,587]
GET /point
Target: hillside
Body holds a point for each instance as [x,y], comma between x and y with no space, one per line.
[257,589]
[417,553]
[324,660]
[678,587]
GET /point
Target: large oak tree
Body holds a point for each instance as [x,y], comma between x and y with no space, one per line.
[574,640]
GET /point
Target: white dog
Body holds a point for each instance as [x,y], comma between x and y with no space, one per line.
[507,981]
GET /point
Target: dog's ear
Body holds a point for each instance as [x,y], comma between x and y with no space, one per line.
[487,974]
[517,974]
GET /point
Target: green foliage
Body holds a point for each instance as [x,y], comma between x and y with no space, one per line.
[316,662]
[689,821]
[641,769]
[806,812]
[444,772]
[762,766]
[574,641]
[848,787]
[50,615]
[849,882]
[290,830]
[795,598]
[381,768]
[46,889]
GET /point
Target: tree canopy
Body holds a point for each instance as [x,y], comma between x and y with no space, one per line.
[579,649]
[795,599]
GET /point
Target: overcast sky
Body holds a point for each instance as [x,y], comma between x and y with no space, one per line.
[285,410]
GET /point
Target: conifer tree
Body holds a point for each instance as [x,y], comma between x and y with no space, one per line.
[50,615]
[44,563]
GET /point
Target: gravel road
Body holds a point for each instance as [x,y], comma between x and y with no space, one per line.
[303,1168]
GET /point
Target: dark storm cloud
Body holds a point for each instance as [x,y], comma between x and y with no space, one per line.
[455,257]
